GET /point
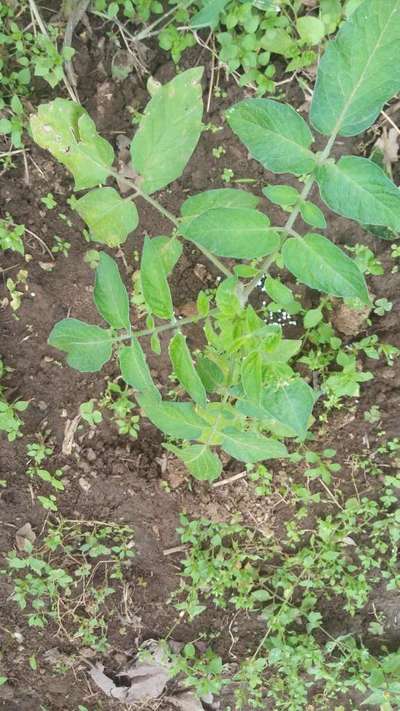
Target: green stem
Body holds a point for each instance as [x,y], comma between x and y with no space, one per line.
[166,213]
[164,327]
[288,226]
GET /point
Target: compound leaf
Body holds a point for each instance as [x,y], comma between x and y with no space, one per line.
[184,369]
[176,419]
[155,286]
[242,233]
[169,131]
[88,347]
[290,405]
[202,463]
[67,131]
[251,447]
[359,189]
[359,71]
[315,261]
[275,135]
[110,295]
[109,217]
[135,371]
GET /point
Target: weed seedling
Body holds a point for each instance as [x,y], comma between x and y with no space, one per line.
[10,422]
[64,578]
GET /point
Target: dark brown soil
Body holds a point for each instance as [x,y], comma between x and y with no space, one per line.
[127,482]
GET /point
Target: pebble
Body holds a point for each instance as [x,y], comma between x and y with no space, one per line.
[84,484]
[91,455]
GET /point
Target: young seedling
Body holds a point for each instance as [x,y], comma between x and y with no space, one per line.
[244,395]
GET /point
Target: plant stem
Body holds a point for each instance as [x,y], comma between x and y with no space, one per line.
[157,206]
[165,327]
[288,226]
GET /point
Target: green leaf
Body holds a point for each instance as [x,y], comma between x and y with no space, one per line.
[312,215]
[170,250]
[312,318]
[5,126]
[211,375]
[283,195]
[284,351]
[155,286]
[208,16]
[110,295]
[251,376]
[169,131]
[110,218]
[184,369]
[310,29]
[359,189]
[275,135]
[251,447]
[233,232]
[67,131]
[222,197]
[87,347]
[202,463]
[281,294]
[176,419]
[278,41]
[359,70]
[331,14]
[135,371]
[315,261]
[290,405]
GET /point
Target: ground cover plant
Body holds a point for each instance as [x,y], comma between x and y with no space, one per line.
[247,34]
[216,477]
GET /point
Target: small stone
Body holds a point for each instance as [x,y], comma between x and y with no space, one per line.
[388,373]
[91,455]
[84,484]
[42,405]
[25,535]
[350,321]
[201,272]
[87,652]
[175,473]
[117,469]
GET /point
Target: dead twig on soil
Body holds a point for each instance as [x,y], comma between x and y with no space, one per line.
[235,477]
[390,120]
[69,434]
[76,14]
[177,549]
[41,242]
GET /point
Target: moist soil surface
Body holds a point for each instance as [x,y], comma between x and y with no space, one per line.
[115,478]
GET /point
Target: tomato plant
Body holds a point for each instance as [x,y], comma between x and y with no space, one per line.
[243,393]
